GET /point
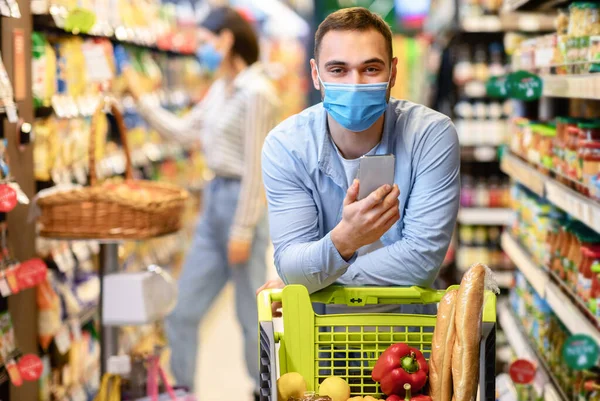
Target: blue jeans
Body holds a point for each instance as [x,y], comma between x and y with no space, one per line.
[205,273]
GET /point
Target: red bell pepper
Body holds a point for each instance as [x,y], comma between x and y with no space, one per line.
[409,396]
[400,365]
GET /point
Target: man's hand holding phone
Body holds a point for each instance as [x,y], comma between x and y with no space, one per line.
[365,221]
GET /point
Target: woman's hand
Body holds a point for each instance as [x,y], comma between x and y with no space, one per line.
[134,84]
[238,251]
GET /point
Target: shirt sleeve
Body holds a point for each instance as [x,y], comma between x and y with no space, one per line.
[428,223]
[260,117]
[184,130]
[301,256]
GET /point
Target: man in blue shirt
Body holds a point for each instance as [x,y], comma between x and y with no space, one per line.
[398,235]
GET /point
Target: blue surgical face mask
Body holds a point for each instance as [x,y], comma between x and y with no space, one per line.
[209,57]
[355,107]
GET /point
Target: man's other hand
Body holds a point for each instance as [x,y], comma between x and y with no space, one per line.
[276,283]
[365,221]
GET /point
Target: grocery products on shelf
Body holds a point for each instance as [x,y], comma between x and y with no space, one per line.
[480,244]
[481,122]
[566,148]
[571,49]
[489,192]
[546,334]
[163,25]
[565,246]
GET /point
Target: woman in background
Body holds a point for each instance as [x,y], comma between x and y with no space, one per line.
[231,237]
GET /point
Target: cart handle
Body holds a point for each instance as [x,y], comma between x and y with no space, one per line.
[361,296]
[353,296]
[265,300]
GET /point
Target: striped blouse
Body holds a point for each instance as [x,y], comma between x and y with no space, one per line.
[232,126]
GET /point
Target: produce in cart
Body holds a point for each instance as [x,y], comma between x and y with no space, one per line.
[336,388]
[400,365]
[291,386]
[409,396]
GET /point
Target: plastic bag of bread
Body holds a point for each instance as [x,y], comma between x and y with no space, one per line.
[467,321]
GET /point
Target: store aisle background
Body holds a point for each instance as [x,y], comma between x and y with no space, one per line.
[222,371]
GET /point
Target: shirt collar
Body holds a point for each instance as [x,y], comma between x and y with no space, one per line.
[329,161]
[247,74]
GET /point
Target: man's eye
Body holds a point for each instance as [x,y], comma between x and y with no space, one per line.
[336,71]
[372,70]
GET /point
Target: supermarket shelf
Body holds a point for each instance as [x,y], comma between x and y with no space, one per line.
[524,173]
[517,340]
[576,321]
[537,277]
[586,86]
[508,22]
[582,208]
[46,23]
[531,5]
[524,350]
[482,153]
[485,216]
[504,279]
[571,316]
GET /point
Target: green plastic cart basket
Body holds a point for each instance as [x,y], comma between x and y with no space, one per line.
[348,345]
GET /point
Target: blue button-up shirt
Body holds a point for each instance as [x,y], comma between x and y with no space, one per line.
[306,185]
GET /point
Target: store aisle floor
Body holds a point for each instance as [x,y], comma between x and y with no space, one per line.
[221,371]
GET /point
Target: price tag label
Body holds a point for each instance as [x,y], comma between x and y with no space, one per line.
[522,371]
[580,352]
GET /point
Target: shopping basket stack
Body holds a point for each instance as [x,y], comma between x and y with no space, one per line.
[348,345]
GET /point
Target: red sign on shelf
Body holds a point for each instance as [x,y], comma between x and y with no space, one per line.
[8,198]
[31,272]
[31,367]
[522,371]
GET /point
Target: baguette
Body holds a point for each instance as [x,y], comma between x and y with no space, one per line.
[440,379]
[467,319]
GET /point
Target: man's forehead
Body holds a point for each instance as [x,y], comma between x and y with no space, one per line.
[352,46]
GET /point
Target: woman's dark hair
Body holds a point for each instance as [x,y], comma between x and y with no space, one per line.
[245,40]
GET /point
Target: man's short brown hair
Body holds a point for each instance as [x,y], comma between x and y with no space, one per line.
[353,19]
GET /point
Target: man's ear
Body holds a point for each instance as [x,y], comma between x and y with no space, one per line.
[314,74]
[394,72]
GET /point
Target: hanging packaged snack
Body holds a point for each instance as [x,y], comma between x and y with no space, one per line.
[7,95]
[8,349]
[49,315]
[15,11]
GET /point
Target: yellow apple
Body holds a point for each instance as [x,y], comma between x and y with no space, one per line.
[335,388]
[290,385]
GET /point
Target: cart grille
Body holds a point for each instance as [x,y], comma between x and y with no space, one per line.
[350,352]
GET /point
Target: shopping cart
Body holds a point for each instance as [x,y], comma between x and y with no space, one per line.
[348,345]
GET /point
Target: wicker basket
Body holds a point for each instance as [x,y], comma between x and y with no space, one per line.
[133,209]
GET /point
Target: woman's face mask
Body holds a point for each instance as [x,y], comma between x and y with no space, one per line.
[355,107]
[209,57]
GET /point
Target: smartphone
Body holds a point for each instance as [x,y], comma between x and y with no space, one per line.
[375,171]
